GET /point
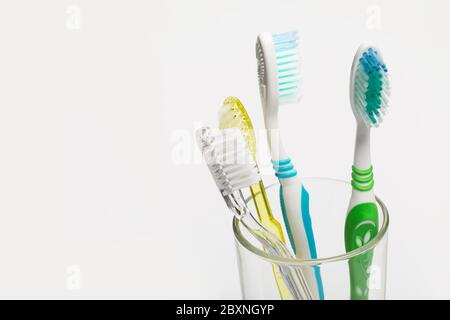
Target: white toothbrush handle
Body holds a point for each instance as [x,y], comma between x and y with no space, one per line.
[290,193]
[362,161]
[291,201]
[362,158]
[294,200]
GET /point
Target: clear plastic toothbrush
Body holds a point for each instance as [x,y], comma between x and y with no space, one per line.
[233,169]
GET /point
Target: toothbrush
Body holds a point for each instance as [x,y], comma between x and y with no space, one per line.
[369,97]
[226,154]
[232,114]
[279,82]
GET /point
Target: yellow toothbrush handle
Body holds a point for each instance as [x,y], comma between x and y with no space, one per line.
[265,215]
[269,222]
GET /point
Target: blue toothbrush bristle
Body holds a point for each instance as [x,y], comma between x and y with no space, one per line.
[287,63]
[371,87]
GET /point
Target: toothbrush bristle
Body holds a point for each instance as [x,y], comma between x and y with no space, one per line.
[371,87]
[288,66]
[228,159]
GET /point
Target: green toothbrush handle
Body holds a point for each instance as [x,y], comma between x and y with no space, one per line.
[361,226]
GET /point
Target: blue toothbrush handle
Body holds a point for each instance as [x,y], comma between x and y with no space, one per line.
[306,217]
[294,201]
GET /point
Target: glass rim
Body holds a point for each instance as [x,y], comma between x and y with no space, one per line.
[312,262]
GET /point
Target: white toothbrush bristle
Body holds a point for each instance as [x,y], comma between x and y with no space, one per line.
[228,159]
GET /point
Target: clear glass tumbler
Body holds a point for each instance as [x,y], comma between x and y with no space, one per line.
[329,199]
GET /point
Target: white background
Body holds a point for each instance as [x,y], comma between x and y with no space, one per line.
[98,97]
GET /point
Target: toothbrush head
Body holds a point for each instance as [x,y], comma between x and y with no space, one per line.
[228,159]
[369,86]
[278,67]
[232,114]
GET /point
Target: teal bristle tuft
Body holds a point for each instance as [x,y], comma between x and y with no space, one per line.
[371,87]
[288,64]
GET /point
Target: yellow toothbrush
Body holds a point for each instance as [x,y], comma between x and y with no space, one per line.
[233,115]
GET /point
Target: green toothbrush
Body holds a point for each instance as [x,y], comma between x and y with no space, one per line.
[369,96]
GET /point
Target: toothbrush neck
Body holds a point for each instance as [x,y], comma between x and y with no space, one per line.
[362,159]
[236,203]
[277,150]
